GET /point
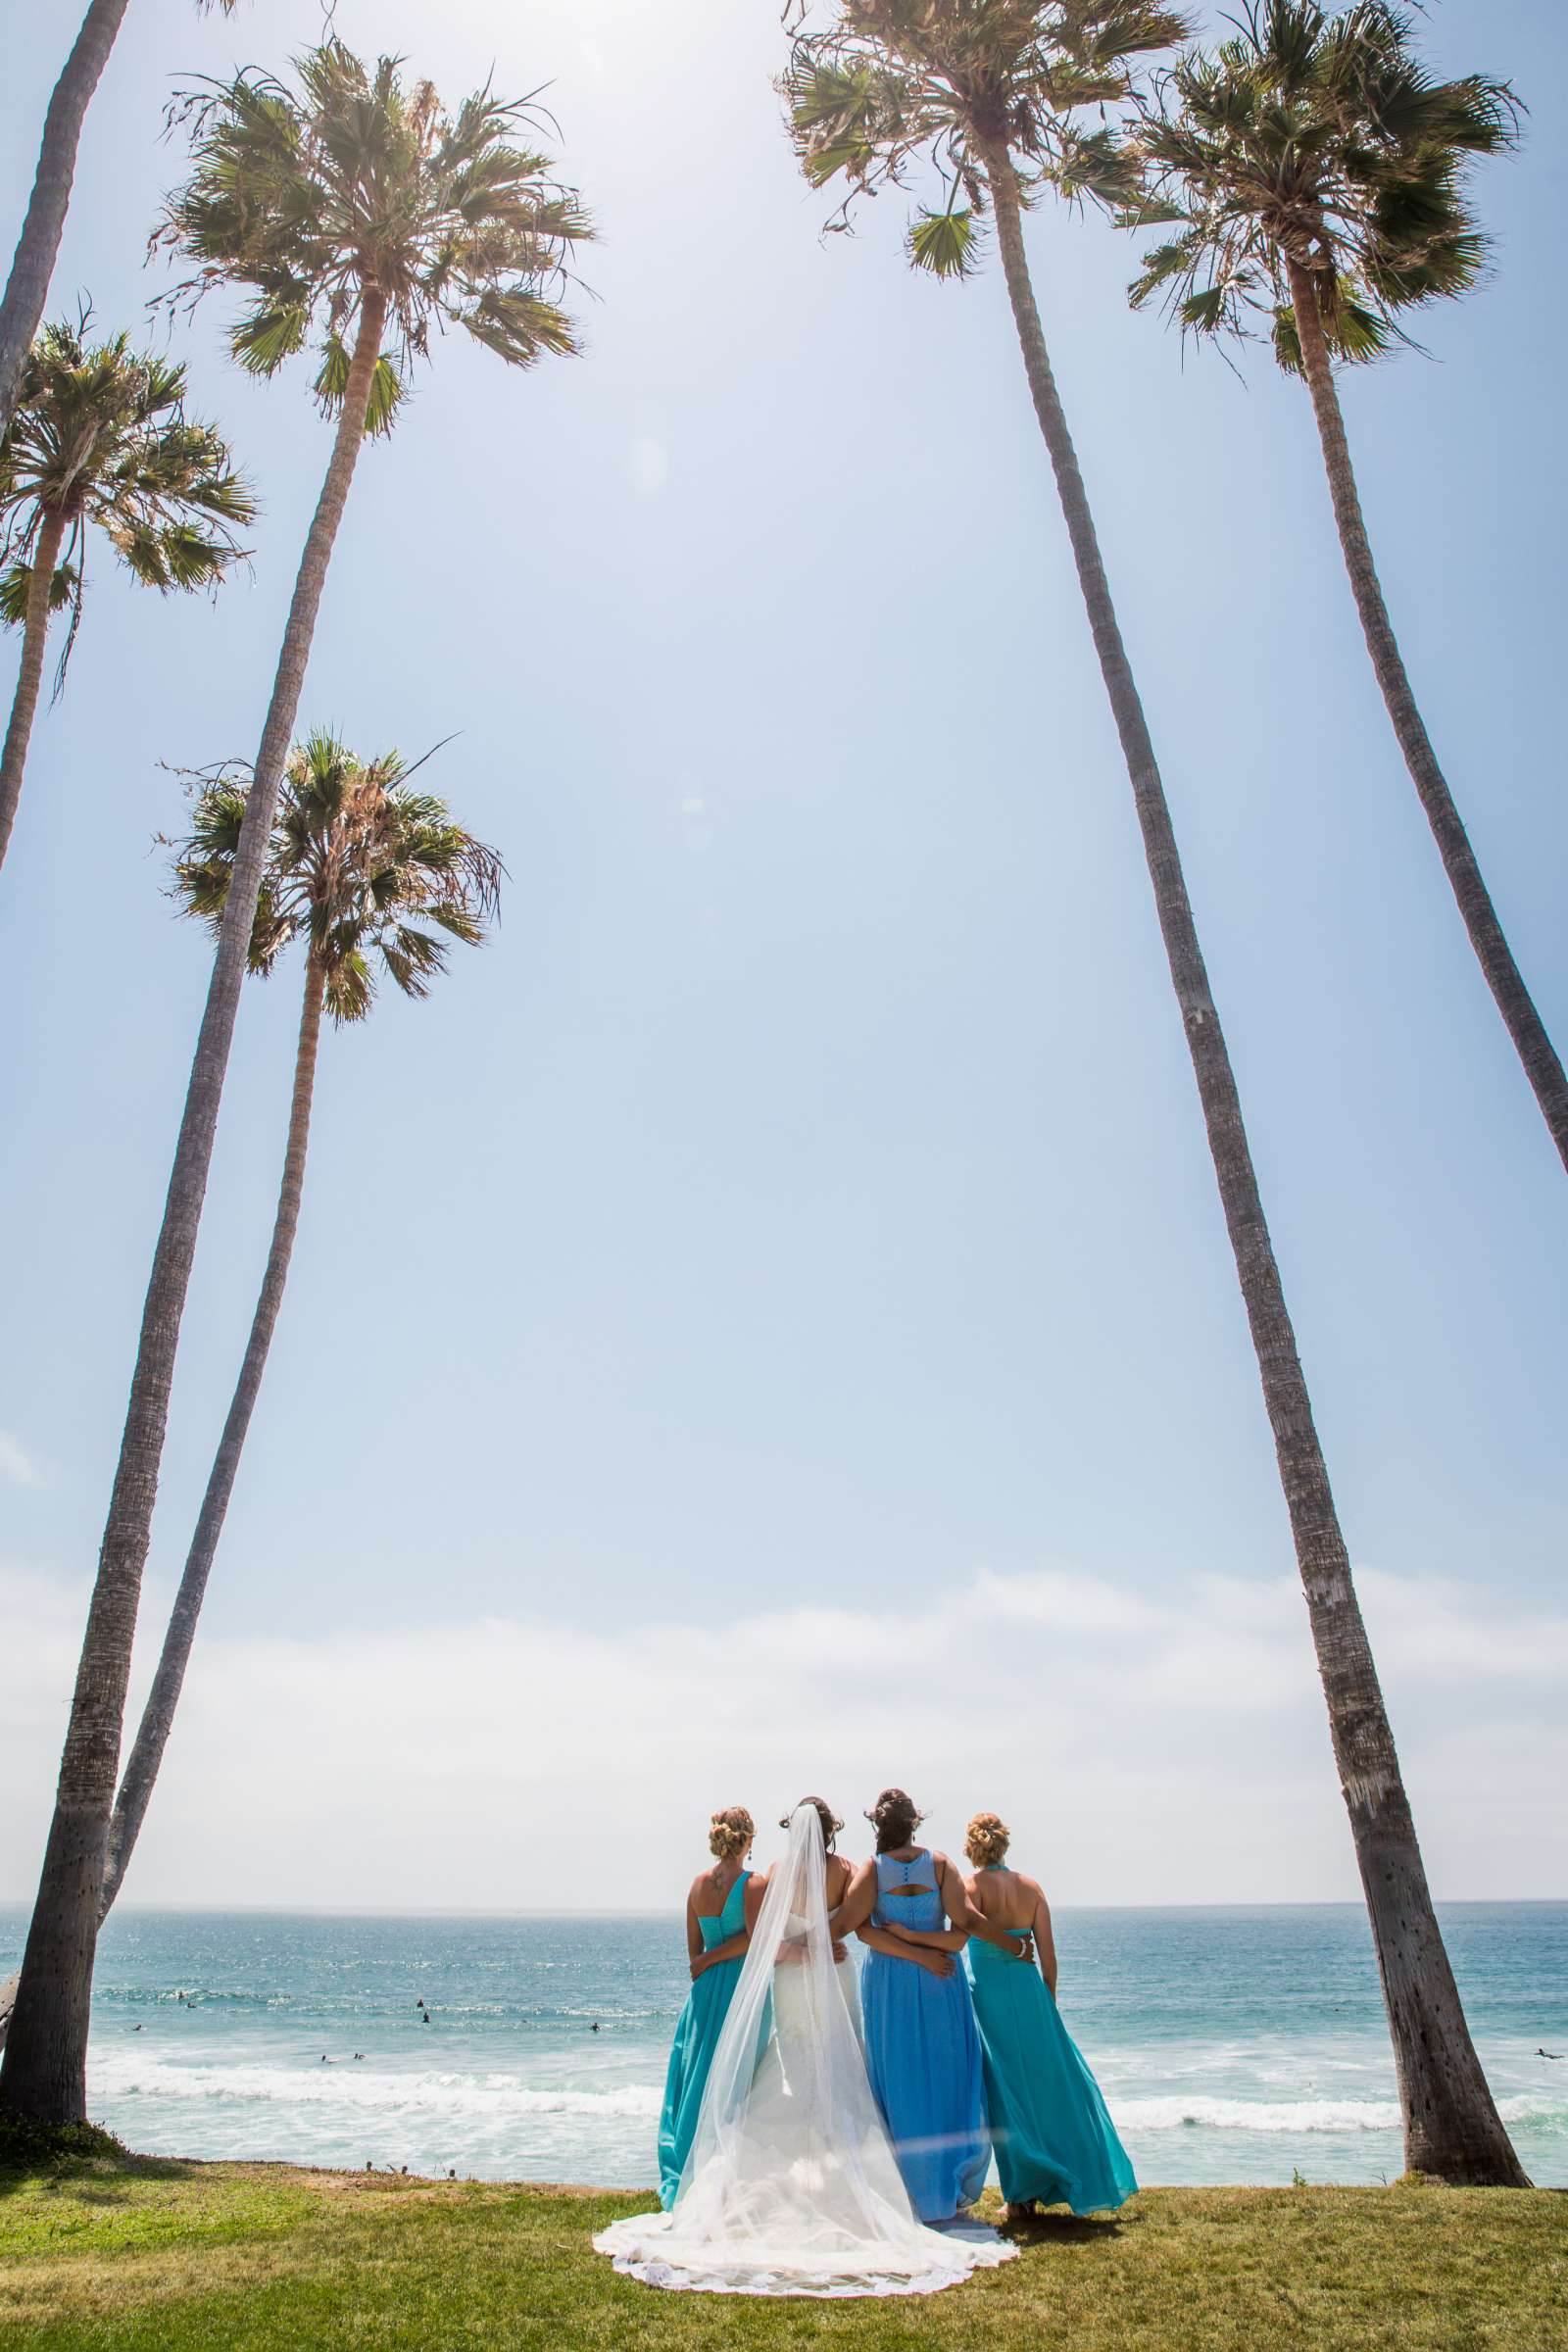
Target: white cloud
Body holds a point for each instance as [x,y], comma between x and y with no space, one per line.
[17,1465]
[1169,1751]
[1437,1626]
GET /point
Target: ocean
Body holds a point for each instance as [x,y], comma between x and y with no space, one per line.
[1232,2045]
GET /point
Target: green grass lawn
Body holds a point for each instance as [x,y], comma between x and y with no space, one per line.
[177,2256]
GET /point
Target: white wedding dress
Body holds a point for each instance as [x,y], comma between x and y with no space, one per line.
[792,2188]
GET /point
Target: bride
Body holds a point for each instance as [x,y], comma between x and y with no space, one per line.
[791,2188]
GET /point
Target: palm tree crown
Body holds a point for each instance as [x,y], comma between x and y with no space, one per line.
[310,195]
[952,82]
[32,262]
[1323,140]
[101,438]
[371,873]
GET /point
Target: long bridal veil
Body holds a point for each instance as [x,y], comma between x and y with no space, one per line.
[792,2188]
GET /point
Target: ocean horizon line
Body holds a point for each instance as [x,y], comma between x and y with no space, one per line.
[666,1911]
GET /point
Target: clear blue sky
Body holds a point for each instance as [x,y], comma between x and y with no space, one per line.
[803,1204]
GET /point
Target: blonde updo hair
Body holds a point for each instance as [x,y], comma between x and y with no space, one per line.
[730,1833]
[985,1840]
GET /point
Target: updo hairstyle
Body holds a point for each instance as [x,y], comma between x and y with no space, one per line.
[831,1823]
[895,1817]
[730,1833]
[985,1841]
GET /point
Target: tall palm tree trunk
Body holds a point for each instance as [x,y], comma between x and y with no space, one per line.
[158,1715]
[1542,1063]
[43,2073]
[29,676]
[1452,2126]
[32,263]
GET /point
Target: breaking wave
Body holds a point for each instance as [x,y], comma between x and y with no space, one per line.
[119,2076]
[1175,2114]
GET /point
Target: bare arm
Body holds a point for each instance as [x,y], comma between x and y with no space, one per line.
[1017,1942]
[956,1904]
[956,1935]
[732,1948]
[854,1918]
[858,1906]
[1044,1941]
[930,1940]
[968,1919]
[898,1944]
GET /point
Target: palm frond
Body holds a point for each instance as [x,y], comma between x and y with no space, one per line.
[945,243]
[889,88]
[1355,332]
[101,440]
[303,192]
[270,331]
[372,872]
[15,584]
[387,389]
[1318,140]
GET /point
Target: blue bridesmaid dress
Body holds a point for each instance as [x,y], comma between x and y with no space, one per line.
[1055,2139]
[702,2021]
[922,2052]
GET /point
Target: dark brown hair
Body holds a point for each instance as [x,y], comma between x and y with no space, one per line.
[831,1823]
[895,1817]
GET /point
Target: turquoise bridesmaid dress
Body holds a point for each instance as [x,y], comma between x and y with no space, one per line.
[702,2021]
[922,2053]
[1053,2138]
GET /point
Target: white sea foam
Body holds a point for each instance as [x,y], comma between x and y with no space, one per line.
[1173,2114]
[116,2074]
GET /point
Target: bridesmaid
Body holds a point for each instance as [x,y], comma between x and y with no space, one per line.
[716,1936]
[1055,2143]
[922,2052]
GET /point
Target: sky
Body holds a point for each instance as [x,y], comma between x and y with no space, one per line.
[765,1323]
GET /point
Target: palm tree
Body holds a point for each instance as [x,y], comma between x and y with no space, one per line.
[34,261]
[100,439]
[347,205]
[371,874]
[989,92]
[361,867]
[1315,174]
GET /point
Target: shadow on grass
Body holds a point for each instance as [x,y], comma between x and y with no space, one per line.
[96,2183]
[1063,2230]
[82,2158]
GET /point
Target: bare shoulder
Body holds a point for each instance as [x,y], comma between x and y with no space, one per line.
[1032,1886]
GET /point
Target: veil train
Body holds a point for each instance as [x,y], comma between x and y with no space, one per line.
[792,2188]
